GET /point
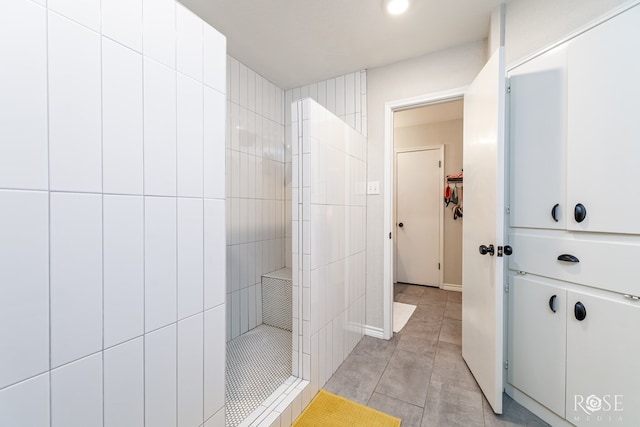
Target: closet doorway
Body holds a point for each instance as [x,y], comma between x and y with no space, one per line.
[427,147]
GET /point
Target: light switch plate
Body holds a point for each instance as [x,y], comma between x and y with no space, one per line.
[373,187]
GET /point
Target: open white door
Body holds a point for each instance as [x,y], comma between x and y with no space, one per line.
[484,208]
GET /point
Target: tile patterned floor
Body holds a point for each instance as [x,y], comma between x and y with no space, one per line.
[258,362]
[419,375]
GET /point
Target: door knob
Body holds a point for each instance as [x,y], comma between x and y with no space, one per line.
[580,311]
[486,250]
[580,212]
[401,225]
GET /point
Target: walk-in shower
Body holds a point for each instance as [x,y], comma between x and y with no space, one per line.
[295,307]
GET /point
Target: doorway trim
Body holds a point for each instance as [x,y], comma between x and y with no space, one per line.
[389,193]
[440,149]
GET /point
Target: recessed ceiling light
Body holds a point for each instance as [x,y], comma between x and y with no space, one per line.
[396,7]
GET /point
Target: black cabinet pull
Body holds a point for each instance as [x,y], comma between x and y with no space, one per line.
[580,311]
[552,300]
[401,225]
[486,250]
[580,212]
[568,258]
[554,212]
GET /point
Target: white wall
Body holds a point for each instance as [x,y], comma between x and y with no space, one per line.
[255,192]
[428,74]
[346,97]
[112,222]
[531,25]
[329,164]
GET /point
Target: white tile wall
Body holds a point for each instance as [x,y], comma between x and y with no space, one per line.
[122,119]
[329,249]
[27,402]
[23,104]
[159,129]
[76,393]
[190,257]
[255,198]
[124,384]
[123,281]
[160,377]
[122,22]
[191,371]
[74,106]
[24,269]
[344,96]
[112,166]
[76,276]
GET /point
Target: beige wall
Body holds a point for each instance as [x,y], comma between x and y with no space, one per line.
[530,25]
[449,134]
[440,71]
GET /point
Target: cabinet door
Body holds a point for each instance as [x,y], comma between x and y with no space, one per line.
[537,340]
[603,126]
[603,367]
[537,141]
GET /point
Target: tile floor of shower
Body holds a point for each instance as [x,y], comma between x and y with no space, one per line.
[259,361]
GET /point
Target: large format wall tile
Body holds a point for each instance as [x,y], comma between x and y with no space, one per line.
[190,257]
[23,104]
[190,137]
[26,403]
[160,262]
[76,276]
[75,134]
[122,22]
[160,367]
[122,121]
[24,273]
[159,129]
[124,384]
[76,393]
[123,229]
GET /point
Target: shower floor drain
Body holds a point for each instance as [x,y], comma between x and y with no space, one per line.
[258,362]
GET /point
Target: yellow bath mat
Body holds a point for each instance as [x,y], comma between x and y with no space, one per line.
[329,410]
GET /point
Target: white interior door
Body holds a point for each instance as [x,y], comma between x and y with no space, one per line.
[418,216]
[482,276]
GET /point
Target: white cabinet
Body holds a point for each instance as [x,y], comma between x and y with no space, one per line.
[603,127]
[579,361]
[537,135]
[537,340]
[574,132]
[603,367]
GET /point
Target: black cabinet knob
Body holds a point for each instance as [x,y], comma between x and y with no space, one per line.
[580,311]
[508,250]
[552,301]
[401,225]
[554,212]
[486,250]
[580,212]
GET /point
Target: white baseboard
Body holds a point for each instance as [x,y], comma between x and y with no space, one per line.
[373,332]
[452,287]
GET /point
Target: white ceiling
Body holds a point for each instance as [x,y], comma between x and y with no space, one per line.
[296,42]
[434,113]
